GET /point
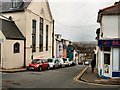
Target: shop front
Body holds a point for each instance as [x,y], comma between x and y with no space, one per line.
[109,59]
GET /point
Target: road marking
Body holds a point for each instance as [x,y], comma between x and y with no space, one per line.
[80,75]
[77,78]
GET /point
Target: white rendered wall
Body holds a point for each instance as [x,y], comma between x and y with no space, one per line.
[115,64]
[24,22]
[11,59]
[119,26]
[110,26]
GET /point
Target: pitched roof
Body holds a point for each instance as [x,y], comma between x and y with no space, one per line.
[10,30]
[111,10]
[7,6]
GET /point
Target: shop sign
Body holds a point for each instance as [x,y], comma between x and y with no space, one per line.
[109,43]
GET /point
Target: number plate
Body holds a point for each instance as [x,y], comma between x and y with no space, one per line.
[31,67]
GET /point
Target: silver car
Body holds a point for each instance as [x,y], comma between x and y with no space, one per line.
[61,62]
[53,63]
[66,61]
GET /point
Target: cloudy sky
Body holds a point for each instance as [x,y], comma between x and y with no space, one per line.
[76,20]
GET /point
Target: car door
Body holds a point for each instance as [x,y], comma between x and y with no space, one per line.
[57,63]
[45,63]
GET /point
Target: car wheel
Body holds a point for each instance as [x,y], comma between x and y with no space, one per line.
[54,67]
[40,68]
[48,67]
[28,69]
[69,65]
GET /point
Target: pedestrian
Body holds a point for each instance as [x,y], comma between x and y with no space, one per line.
[93,63]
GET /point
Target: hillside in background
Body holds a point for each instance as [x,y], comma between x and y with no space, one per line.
[85,47]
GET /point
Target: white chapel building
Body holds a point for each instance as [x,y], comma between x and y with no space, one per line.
[26,28]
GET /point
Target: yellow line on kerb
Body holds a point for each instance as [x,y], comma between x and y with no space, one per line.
[80,75]
[77,78]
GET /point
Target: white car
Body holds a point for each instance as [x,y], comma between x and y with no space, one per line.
[86,62]
[66,61]
[61,62]
[53,63]
[72,63]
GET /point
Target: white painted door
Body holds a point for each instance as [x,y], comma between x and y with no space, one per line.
[107,60]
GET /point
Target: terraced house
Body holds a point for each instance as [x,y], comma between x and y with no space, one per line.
[108,55]
[26,32]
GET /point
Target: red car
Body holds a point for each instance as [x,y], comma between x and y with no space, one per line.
[38,64]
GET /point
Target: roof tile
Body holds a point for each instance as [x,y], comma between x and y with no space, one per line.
[10,30]
[111,10]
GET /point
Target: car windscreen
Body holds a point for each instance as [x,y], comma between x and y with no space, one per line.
[50,60]
[36,61]
[64,59]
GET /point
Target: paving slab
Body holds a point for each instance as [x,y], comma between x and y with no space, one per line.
[90,77]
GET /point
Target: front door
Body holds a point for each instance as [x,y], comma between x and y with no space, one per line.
[107,59]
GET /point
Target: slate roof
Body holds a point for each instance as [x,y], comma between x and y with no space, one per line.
[111,10]
[7,6]
[10,30]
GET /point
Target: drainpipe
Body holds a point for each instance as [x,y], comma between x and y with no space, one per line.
[24,53]
[53,41]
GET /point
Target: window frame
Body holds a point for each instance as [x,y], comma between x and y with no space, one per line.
[34,35]
[16,48]
[106,61]
[41,29]
[15,3]
[47,29]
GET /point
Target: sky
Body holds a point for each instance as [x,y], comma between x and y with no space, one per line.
[76,20]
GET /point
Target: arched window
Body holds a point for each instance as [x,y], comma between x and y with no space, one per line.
[47,37]
[41,34]
[33,35]
[17,48]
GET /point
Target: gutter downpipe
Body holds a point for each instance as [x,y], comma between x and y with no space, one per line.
[53,41]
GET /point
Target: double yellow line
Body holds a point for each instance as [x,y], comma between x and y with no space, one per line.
[77,78]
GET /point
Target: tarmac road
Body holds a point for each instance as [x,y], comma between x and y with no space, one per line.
[58,78]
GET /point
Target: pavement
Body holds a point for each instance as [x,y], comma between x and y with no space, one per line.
[13,70]
[88,77]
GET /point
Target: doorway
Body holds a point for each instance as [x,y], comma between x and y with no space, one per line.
[107,61]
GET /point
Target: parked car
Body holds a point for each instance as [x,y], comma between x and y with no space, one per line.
[53,63]
[38,64]
[61,62]
[86,63]
[66,61]
[72,63]
[80,62]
